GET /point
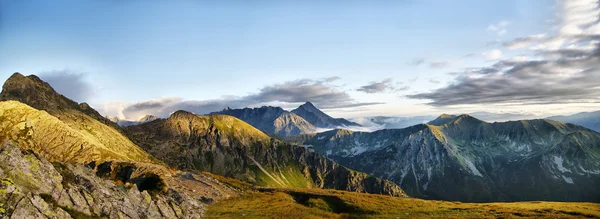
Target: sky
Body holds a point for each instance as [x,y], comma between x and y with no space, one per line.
[351,58]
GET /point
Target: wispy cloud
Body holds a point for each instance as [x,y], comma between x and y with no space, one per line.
[378,87]
[492,55]
[499,28]
[417,61]
[440,64]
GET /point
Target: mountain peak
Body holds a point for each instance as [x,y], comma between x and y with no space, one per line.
[147,118]
[35,92]
[442,119]
[445,116]
[308,105]
[181,113]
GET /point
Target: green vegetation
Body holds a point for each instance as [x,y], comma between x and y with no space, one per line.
[319,203]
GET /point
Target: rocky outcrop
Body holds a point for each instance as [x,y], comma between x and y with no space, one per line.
[32,187]
[271,120]
[227,146]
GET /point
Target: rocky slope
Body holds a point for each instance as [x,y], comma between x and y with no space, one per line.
[463,158]
[32,187]
[58,141]
[227,146]
[59,127]
[589,120]
[318,118]
[272,120]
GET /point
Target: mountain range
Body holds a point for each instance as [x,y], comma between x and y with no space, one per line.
[227,146]
[62,159]
[589,120]
[274,120]
[465,159]
[84,156]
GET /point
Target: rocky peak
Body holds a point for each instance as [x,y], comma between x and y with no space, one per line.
[31,90]
[147,118]
[442,119]
[308,106]
[181,114]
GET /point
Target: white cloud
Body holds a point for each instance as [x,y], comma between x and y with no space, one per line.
[492,55]
[499,28]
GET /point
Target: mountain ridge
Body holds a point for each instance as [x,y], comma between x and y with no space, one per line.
[272,120]
[463,156]
[228,146]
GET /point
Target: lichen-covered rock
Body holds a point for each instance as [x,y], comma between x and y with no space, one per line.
[32,187]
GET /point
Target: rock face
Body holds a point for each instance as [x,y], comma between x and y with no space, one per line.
[318,118]
[32,187]
[589,120]
[227,146]
[272,120]
[462,158]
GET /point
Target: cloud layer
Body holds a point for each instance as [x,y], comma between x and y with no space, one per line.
[291,93]
[565,67]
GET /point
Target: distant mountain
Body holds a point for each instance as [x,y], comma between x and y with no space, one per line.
[318,118]
[392,122]
[272,120]
[589,120]
[465,159]
[443,119]
[125,123]
[227,146]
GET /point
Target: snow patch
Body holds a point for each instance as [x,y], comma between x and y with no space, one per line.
[558,160]
[568,179]
[589,171]
[472,167]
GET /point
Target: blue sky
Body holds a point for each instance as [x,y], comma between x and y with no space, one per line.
[230,52]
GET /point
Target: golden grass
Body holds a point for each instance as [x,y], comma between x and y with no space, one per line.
[319,203]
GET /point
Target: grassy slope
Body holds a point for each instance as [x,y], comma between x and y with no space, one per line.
[57,140]
[319,203]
